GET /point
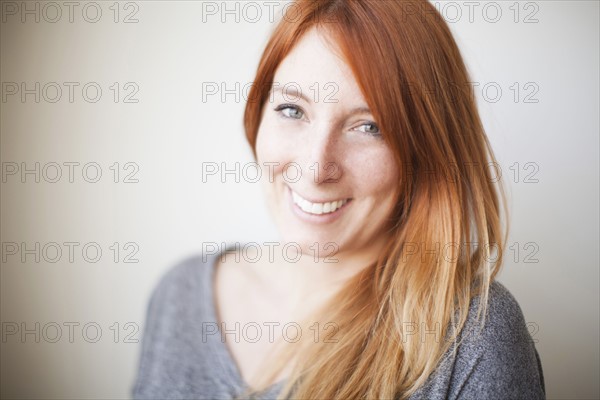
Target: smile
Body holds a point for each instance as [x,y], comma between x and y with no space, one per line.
[317,208]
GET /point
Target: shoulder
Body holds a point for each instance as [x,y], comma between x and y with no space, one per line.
[504,319]
[173,313]
[180,291]
[499,360]
[184,275]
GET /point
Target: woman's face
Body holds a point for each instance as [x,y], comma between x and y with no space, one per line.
[328,173]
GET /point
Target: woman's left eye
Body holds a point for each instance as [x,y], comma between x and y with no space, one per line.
[370,128]
[290,111]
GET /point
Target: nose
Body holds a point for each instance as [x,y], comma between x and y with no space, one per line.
[323,160]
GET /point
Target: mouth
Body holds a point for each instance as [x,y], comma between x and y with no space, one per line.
[319,208]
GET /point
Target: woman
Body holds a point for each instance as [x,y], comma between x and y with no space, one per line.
[369,101]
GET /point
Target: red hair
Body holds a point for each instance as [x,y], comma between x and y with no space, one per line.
[412,75]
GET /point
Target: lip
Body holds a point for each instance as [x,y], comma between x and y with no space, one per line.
[317,201]
[315,218]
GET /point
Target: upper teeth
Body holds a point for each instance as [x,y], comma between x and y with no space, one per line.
[317,208]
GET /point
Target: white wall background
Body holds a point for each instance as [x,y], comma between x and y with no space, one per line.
[169,213]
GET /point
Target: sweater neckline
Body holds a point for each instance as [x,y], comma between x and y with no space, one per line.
[229,366]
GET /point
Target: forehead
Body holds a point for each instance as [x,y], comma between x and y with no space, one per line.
[316,60]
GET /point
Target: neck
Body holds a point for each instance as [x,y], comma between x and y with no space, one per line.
[316,277]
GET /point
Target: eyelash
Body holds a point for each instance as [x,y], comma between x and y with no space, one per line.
[299,109]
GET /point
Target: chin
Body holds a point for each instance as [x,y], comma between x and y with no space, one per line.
[310,245]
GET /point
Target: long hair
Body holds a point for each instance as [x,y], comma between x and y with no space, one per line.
[446,238]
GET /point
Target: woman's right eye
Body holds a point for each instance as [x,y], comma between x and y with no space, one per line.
[290,111]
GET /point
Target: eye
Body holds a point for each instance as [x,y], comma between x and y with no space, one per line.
[370,128]
[290,111]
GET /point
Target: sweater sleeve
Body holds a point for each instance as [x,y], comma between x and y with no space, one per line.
[501,361]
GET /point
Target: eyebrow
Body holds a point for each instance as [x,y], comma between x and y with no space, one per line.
[361,110]
[293,92]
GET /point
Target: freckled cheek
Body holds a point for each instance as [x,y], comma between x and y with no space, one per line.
[375,174]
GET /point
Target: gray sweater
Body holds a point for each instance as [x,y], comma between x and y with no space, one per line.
[181,359]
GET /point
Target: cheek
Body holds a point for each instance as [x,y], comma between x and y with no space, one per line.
[271,151]
[376,172]
[277,138]
[265,148]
